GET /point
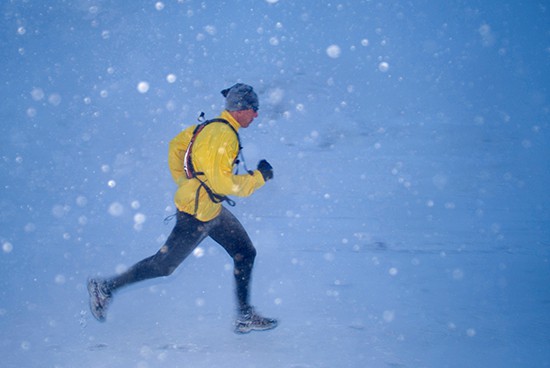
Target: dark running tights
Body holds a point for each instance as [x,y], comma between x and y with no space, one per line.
[186,235]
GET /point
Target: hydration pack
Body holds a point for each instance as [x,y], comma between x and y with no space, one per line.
[190,171]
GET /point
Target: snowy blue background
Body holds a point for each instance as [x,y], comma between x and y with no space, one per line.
[408,224]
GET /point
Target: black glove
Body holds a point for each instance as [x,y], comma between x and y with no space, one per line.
[266,169]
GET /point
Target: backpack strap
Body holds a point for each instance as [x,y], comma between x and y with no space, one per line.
[191,173]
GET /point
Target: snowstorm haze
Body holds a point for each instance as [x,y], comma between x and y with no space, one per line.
[407,224]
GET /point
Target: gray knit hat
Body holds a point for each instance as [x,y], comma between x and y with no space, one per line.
[240,97]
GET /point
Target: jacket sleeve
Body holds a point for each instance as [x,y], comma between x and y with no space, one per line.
[217,154]
[176,153]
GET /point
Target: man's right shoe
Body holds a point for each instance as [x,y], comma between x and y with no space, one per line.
[249,320]
[100,298]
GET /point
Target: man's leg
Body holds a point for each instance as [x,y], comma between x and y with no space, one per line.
[231,235]
[183,239]
[185,236]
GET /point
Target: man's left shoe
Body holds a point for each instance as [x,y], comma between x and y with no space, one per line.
[100,298]
[249,320]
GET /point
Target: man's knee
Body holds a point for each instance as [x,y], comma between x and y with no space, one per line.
[245,255]
[252,253]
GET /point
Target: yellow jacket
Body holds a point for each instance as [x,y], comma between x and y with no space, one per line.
[214,152]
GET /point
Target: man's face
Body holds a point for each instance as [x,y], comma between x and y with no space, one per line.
[245,117]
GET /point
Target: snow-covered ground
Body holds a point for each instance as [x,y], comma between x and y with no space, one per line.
[408,224]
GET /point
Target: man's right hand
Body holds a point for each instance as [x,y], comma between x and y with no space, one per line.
[266,169]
